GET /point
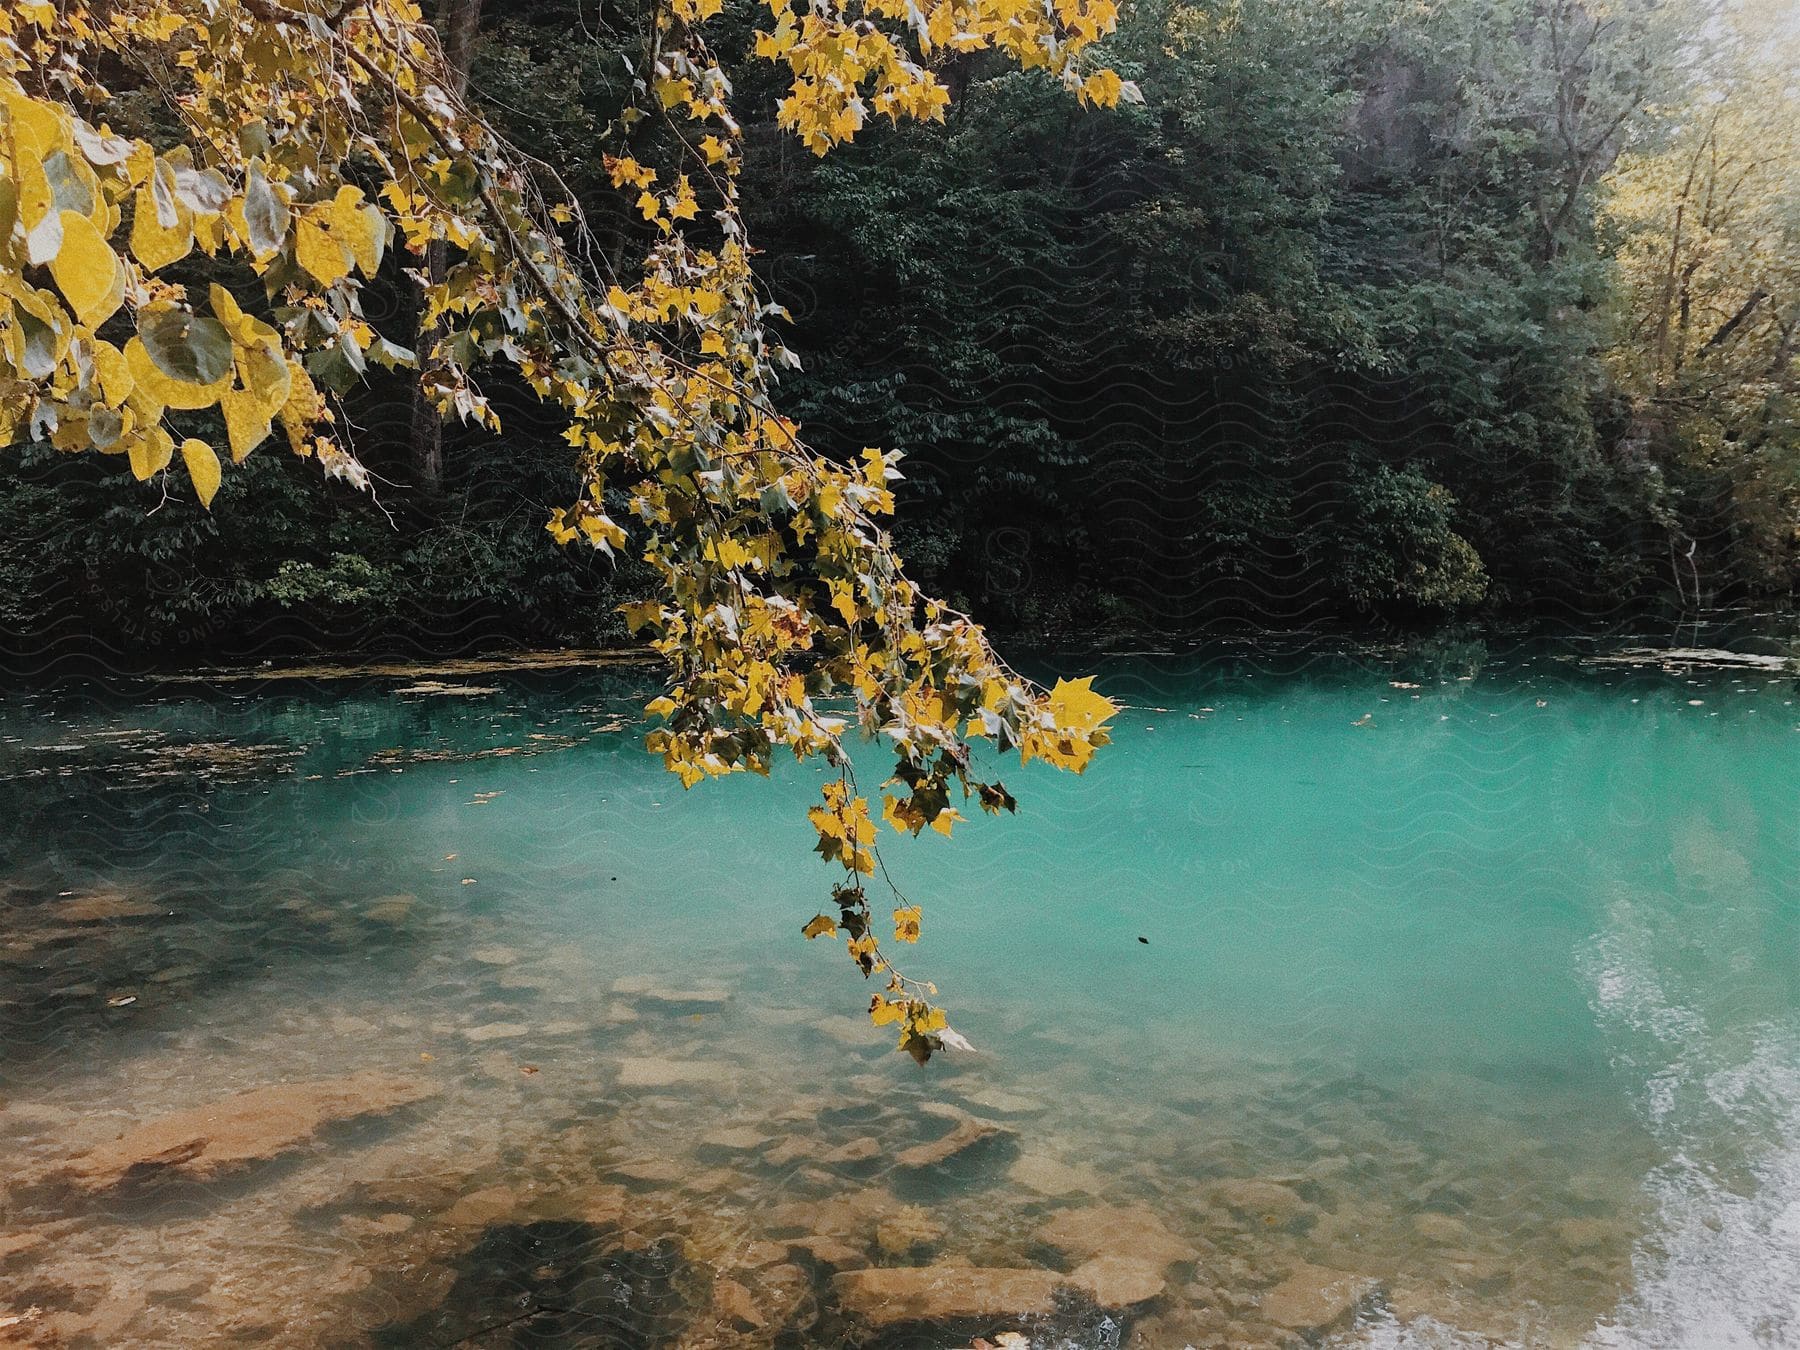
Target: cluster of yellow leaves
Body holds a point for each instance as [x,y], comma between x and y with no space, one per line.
[922,1026]
[103,355]
[153,296]
[1706,223]
[845,65]
[845,830]
[111,355]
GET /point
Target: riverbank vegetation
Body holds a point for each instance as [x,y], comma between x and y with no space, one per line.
[1367,310]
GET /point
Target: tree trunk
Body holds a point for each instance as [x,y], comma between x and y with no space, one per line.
[458,21]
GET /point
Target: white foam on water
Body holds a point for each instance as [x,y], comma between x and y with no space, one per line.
[1719,1268]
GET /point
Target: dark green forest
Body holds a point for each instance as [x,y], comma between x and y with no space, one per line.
[1368,313]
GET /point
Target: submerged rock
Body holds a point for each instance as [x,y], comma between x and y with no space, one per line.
[734,1305]
[655,1073]
[599,1204]
[650,1171]
[495,955]
[106,906]
[789,1150]
[1444,1229]
[1120,1279]
[906,1229]
[1315,1299]
[481,1208]
[860,1150]
[841,1214]
[946,1292]
[391,909]
[998,1102]
[17,1244]
[735,1139]
[380,1225]
[1051,1176]
[1585,1235]
[645,989]
[833,1253]
[1265,1202]
[943,1293]
[550,1283]
[966,1135]
[1104,1230]
[750,1310]
[496,1031]
[207,1142]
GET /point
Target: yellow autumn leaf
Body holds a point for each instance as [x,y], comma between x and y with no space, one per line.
[37,127]
[115,374]
[87,271]
[228,312]
[1076,707]
[203,469]
[151,453]
[319,253]
[265,374]
[248,422]
[1102,88]
[302,409]
[156,246]
[359,227]
[820,926]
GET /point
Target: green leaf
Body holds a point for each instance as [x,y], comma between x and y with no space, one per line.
[185,346]
[265,214]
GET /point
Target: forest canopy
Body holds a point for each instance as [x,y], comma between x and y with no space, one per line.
[1367,311]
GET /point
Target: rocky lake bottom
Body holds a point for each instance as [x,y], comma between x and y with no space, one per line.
[350,1017]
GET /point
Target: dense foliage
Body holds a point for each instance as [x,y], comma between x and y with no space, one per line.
[1366,310]
[1348,318]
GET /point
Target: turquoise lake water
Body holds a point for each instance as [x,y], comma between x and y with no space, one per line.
[1486,959]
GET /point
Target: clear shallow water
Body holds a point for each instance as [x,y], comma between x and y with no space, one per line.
[1491,984]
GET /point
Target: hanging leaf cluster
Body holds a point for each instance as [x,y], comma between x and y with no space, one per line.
[321,142]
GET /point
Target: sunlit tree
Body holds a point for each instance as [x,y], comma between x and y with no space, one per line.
[1707,220]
